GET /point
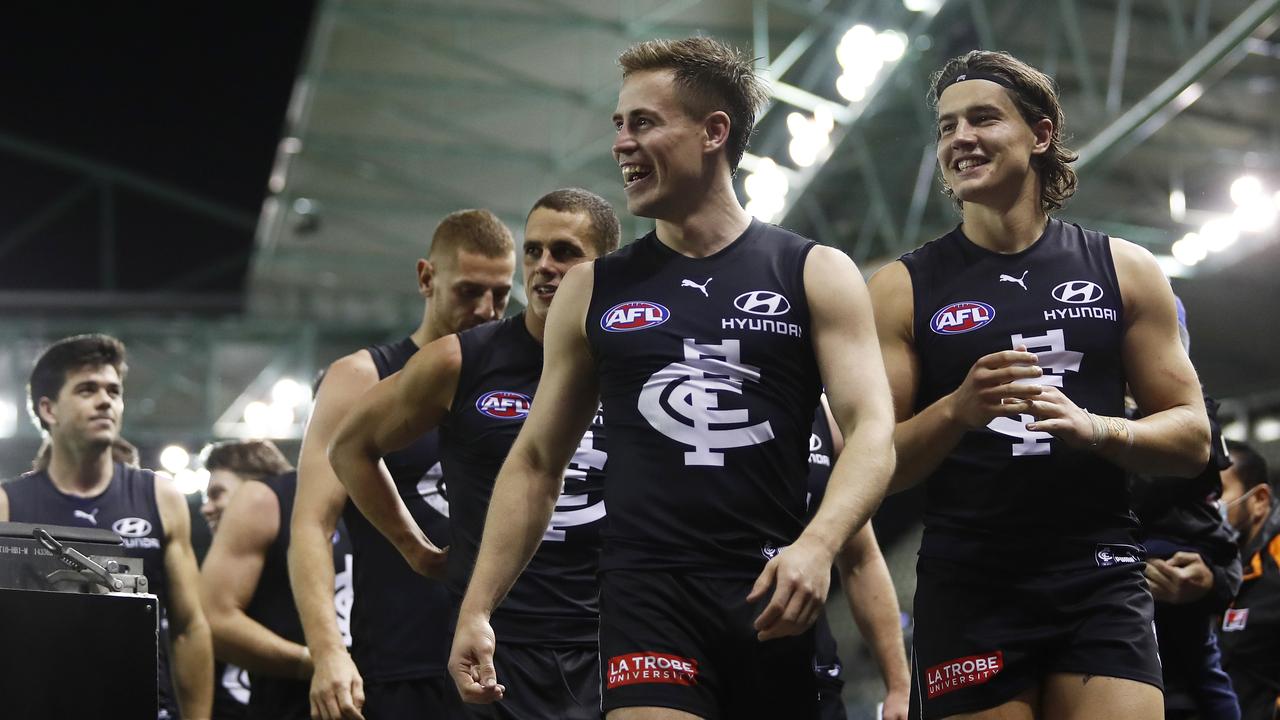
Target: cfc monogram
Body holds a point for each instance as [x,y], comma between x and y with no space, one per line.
[681,401]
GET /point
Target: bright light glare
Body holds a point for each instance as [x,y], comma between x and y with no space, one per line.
[1190,249]
[174,458]
[767,189]
[1256,215]
[1267,429]
[290,392]
[190,482]
[279,419]
[1246,189]
[850,89]
[8,418]
[256,416]
[1177,205]
[922,5]
[1219,233]
[891,44]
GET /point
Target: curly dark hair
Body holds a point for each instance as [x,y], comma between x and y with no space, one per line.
[1036,97]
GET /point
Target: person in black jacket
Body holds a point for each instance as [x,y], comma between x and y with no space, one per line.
[1251,626]
[1193,570]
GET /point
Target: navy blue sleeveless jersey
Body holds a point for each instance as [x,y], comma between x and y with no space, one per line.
[1006,493]
[273,606]
[397,626]
[708,382]
[556,598]
[127,507]
[826,657]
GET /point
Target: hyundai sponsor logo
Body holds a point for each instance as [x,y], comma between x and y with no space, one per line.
[1077,291]
[634,315]
[131,527]
[762,302]
[962,317]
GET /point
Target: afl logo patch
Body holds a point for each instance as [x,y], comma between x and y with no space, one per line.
[131,527]
[762,302]
[634,315]
[962,317]
[504,405]
[1077,291]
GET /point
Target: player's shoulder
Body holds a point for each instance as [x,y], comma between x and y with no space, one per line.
[347,376]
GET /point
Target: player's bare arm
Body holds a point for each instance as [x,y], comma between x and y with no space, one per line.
[389,417]
[337,690]
[1172,437]
[230,576]
[525,492]
[924,439]
[868,588]
[844,340]
[4,506]
[192,647]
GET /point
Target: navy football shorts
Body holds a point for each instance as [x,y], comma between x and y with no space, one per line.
[983,636]
[686,642]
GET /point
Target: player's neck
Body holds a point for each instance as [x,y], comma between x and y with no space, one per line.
[427,331]
[1004,230]
[535,324]
[80,471]
[713,222]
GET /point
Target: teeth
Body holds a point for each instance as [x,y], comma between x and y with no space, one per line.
[630,173]
[968,163]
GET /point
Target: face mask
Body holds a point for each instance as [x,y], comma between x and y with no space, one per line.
[1223,508]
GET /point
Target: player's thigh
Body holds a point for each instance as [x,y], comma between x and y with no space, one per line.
[1071,696]
[649,713]
[1022,707]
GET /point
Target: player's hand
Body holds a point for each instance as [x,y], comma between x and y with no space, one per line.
[992,382]
[800,576]
[1057,415]
[897,703]
[471,661]
[427,559]
[337,690]
[1183,578]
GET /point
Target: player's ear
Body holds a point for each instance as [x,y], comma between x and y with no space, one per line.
[426,278]
[716,128]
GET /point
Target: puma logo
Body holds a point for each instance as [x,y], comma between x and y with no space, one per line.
[90,516]
[702,287]
[1012,279]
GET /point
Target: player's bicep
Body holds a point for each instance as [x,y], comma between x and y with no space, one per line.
[320,496]
[406,404]
[844,338]
[568,392]
[179,557]
[892,303]
[234,564]
[1159,373]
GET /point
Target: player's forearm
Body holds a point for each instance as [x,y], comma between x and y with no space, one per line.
[1174,442]
[192,667]
[247,643]
[857,485]
[374,492]
[519,511]
[874,605]
[311,577]
[923,441]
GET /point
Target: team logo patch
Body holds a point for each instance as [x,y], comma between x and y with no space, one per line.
[963,672]
[1077,291]
[651,667]
[762,302]
[504,405]
[634,315]
[131,527]
[1235,619]
[962,317]
[1108,555]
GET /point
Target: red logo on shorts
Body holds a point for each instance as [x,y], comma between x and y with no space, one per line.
[1235,619]
[963,672]
[651,667]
